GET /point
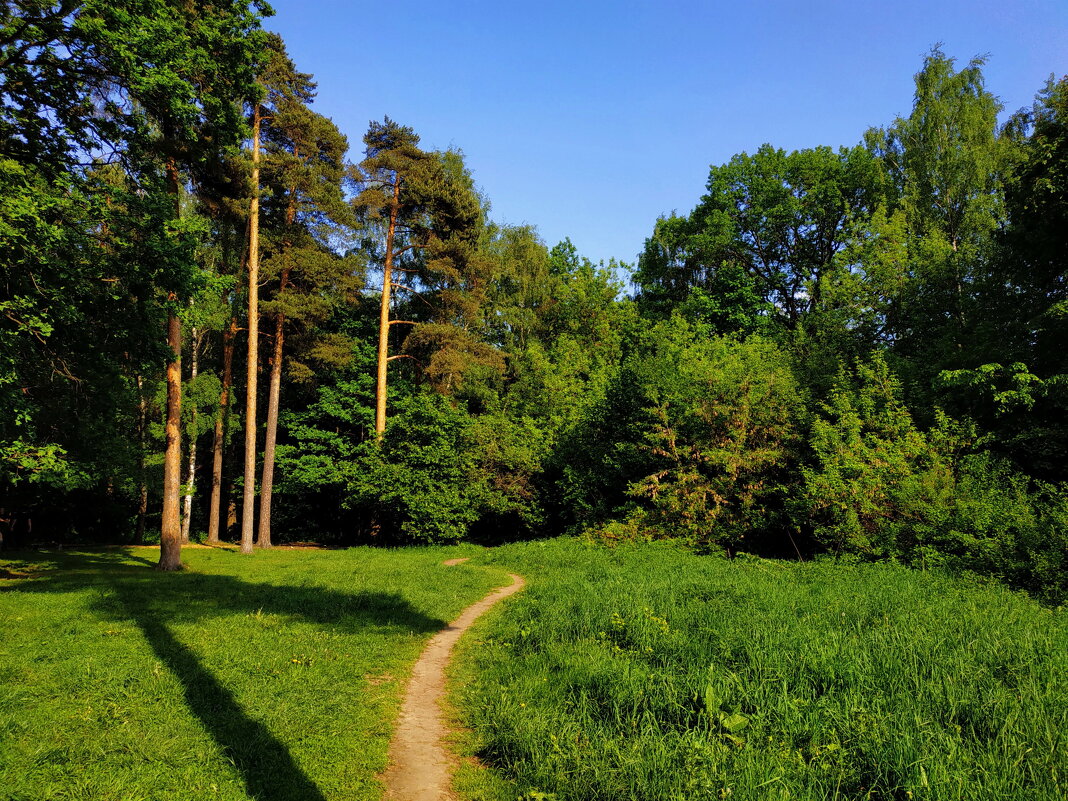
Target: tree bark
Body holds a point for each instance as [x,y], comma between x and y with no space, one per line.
[274,392]
[170,557]
[249,507]
[267,484]
[214,512]
[142,485]
[383,318]
[170,539]
[191,472]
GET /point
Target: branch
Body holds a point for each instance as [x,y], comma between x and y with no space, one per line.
[403,322]
[401,356]
[417,294]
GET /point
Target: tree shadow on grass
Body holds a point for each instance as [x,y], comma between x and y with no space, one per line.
[153,601]
[268,769]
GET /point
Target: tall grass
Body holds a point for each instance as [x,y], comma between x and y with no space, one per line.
[649,673]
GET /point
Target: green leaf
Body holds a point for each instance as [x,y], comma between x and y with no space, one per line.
[733,723]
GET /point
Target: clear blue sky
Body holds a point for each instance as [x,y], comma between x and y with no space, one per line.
[590,118]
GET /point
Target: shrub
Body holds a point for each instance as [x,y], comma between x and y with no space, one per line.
[692,440]
[879,487]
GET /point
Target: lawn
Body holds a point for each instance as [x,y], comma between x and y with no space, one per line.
[650,673]
[271,677]
[638,672]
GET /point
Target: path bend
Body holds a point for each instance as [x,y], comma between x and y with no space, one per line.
[418,762]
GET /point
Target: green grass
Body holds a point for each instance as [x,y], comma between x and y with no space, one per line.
[272,677]
[648,673]
[633,673]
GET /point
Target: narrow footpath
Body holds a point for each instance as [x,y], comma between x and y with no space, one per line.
[419,766]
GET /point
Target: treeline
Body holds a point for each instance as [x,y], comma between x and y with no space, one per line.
[214,324]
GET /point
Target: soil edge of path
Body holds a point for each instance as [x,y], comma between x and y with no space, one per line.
[419,765]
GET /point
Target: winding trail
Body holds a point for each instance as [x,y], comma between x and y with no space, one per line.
[418,763]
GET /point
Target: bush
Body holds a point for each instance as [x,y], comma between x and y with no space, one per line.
[439,470]
[879,486]
[1006,526]
[692,440]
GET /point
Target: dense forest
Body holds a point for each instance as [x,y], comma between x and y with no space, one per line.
[218,324]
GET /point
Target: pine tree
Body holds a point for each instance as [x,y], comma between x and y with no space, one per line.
[304,168]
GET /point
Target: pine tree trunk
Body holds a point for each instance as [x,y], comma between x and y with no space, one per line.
[275,390]
[249,507]
[214,512]
[267,484]
[383,318]
[191,472]
[170,540]
[170,557]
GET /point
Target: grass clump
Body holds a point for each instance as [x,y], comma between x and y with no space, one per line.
[272,677]
[645,672]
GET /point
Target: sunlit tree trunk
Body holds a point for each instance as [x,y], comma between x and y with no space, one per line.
[274,393]
[383,319]
[249,507]
[170,556]
[275,390]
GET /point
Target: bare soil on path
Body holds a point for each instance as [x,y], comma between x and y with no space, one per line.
[419,765]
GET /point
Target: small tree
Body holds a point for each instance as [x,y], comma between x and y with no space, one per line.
[879,486]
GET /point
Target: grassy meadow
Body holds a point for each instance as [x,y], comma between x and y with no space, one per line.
[650,673]
[273,677]
[640,672]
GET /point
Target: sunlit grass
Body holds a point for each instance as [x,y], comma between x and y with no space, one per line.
[649,673]
[275,676]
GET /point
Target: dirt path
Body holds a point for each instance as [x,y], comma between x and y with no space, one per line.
[418,763]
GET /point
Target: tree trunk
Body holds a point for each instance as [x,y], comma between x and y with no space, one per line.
[215,509]
[383,319]
[170,556]
[267,484]
[191,472]
[142,511]
[231,509]
[275,390]
[170,539]
[142,486]
[249,507]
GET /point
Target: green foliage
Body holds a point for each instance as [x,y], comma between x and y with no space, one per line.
[879,486]
[722,423]
[1002,524]
[762,239]
[439,470]
[946,162]
[696,430]
[39,464]
[1022,413]
[1032,317]
[419,484]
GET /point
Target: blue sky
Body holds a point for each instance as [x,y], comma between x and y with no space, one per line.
[590,118]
